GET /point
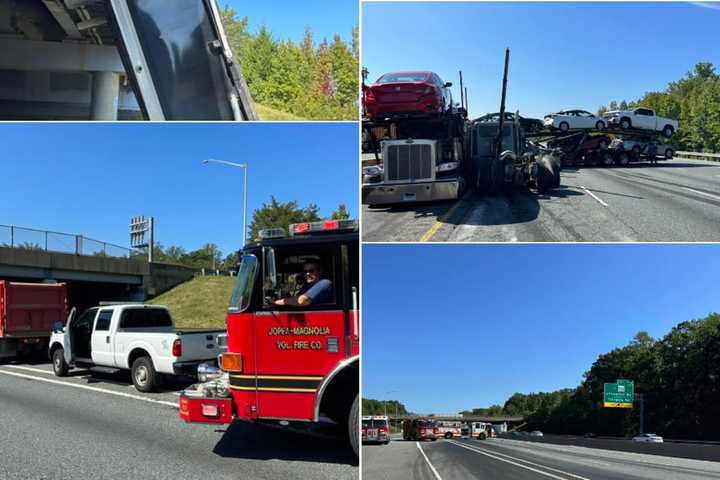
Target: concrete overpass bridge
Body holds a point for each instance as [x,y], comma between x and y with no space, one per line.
[509,419]
[94,271]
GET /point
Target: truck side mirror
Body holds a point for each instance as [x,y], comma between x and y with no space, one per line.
[270,267]
[447,84]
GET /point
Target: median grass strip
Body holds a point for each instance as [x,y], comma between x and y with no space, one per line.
[199,303]
[273,115]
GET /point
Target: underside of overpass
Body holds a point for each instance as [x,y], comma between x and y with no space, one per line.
[92,279]
[60,62]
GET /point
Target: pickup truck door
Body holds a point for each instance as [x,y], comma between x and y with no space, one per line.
[179,60]
[644,118]
[67,337]
[101,344]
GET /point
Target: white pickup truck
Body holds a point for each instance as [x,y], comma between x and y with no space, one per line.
[642,119]
[138,337]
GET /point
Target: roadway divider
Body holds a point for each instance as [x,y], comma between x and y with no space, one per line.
[713,157]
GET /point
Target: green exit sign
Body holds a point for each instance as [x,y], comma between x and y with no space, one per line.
[619,394]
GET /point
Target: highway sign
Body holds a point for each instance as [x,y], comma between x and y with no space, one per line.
[619,394]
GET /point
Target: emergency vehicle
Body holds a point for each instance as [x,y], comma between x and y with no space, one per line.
[375,428]
[420,429]
[283,363]
[449,429]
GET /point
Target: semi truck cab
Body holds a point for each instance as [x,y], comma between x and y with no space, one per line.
[287,362]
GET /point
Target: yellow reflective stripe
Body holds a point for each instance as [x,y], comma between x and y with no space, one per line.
[275,377]
[278,389]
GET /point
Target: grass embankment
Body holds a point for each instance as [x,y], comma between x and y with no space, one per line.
[199,303]
[272,115]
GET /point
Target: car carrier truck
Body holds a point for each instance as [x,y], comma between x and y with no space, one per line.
[28,312]
[288,364]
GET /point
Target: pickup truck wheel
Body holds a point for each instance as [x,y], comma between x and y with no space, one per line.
[668,131]
[144,376]
[353,420]
[60,366]
[669,153]
[564,127]
[625,123]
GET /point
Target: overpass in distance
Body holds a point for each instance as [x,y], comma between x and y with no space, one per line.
[515,419]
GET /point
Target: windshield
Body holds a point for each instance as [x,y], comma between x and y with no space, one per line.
[374,423]
[242,293]
[402,77]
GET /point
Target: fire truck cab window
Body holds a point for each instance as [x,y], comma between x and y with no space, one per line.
[243,290]
[310,275]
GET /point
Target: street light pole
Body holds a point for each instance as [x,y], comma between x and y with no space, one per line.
[244,166]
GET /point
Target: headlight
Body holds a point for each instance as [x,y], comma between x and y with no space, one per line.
[372,171]
[447,167]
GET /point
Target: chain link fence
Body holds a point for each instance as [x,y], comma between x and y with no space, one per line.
[45,240]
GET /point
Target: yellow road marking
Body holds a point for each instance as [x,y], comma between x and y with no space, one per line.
[439,223]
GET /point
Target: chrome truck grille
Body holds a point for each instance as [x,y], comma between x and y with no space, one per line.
[409,161]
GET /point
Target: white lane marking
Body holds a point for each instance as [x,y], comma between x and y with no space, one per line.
[702,193]
[437,475]
[594,196]
[30,369]
[93,389]
[496,456]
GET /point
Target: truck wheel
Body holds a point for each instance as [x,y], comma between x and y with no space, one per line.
[623,159]
[668,131]
[669,153]
[144,376]
[564,127]
[545,177]
[482,436]
[448,435]
[607,159]
[625,123]
[60,366]
[497,175]
[353,420]
[600,125]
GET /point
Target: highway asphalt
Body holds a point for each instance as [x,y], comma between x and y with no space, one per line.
[98,426]
[677,200]
[505,459]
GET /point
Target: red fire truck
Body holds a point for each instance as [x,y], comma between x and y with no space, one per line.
[288,363]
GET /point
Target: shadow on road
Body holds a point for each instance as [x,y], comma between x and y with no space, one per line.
[261,442]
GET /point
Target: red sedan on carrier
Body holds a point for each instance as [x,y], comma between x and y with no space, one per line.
[407,94]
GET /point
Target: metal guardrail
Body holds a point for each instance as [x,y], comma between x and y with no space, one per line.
[49,241]
[713,157]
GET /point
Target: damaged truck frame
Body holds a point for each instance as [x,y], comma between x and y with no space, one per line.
[500,155]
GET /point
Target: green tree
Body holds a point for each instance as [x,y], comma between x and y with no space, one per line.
[340,213]
[280,215]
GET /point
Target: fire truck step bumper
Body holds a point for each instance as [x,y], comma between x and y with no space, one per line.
[206,410]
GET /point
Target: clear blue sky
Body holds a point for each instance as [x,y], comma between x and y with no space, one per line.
[91,179]
[562,55]
[287,19]
[454,327]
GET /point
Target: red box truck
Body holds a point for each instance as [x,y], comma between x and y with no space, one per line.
[28,312]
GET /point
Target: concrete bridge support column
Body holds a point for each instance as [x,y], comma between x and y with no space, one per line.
[105,96]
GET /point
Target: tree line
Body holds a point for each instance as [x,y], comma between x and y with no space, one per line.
[315,82]
[377,407]
[678,375]
[274,214]
[694,101]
